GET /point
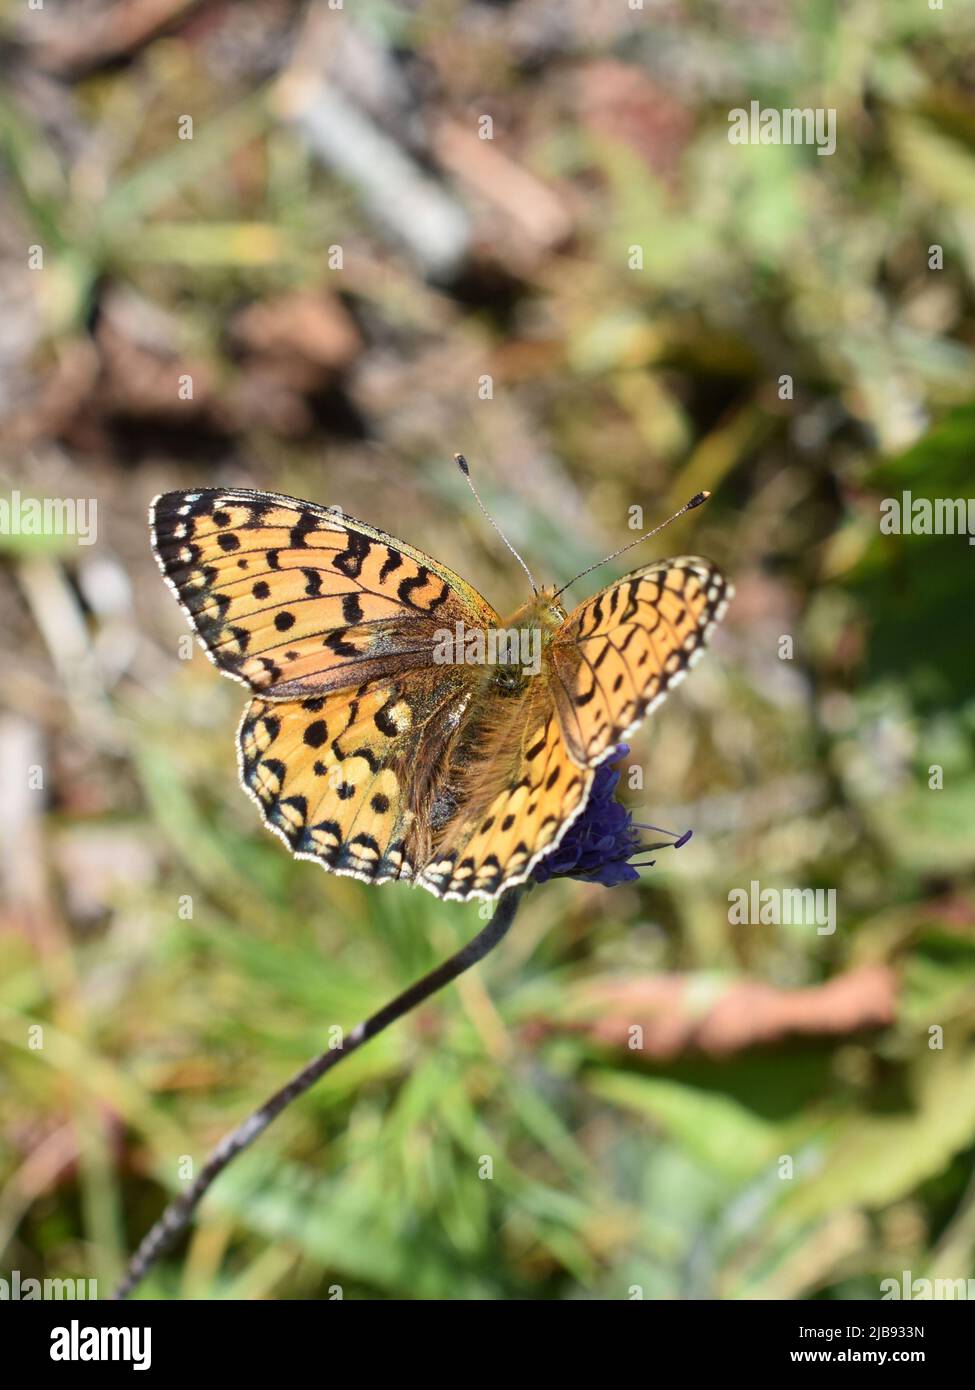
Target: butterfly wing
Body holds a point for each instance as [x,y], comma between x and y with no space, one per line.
[511,794]
[529,772]
[350,778]
[619,653]
[333,625]
[294,599]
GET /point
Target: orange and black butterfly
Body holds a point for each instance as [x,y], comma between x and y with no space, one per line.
[368,751]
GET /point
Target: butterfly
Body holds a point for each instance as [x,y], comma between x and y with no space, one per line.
[363,747]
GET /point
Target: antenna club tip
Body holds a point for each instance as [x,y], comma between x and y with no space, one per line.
[697,499]
[462,464]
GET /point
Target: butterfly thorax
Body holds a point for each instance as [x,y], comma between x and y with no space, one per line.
[507,704]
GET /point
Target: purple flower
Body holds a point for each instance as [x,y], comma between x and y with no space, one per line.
[598,846]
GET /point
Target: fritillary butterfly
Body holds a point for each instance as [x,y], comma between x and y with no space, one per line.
[365,753]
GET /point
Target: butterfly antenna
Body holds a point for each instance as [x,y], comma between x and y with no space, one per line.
[695,501]
[464,467]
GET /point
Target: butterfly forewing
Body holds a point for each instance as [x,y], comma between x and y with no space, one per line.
[294,599]
[620,652]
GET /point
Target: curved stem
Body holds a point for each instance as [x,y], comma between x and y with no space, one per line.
[177,1214]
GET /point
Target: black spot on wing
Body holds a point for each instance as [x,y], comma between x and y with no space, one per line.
[302,529]
[407,588]
[349,561]
[316,733]
[385,723]
[336,643]
[392,562]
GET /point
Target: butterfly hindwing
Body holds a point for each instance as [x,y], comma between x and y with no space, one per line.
[349,778]
[620,652]
[516,794]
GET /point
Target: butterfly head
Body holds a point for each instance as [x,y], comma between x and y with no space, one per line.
[542,611]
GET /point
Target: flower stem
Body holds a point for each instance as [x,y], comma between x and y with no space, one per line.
[177,1214]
